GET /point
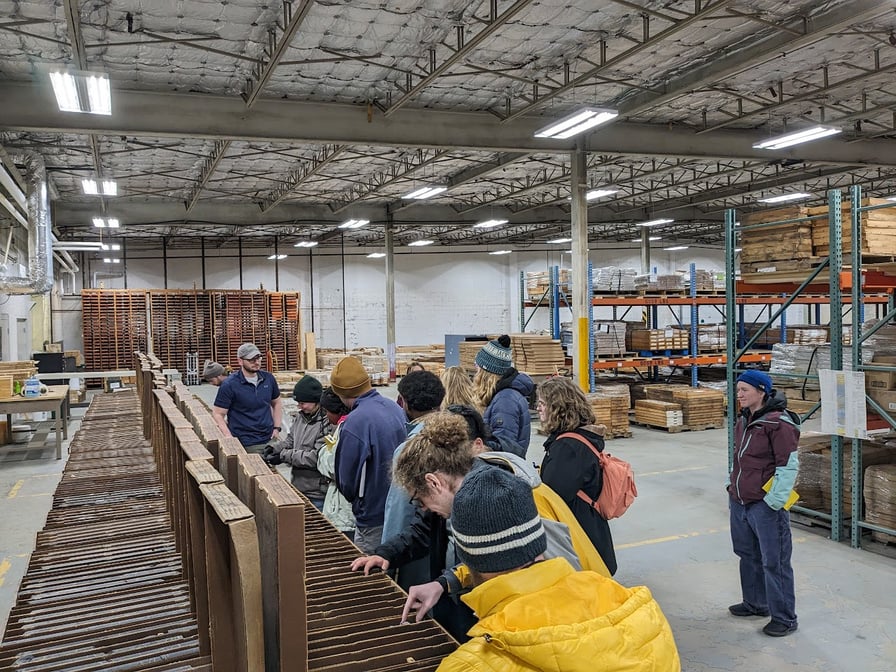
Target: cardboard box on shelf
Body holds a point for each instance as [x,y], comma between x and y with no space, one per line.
[886,399]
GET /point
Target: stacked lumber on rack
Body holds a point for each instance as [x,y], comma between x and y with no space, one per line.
[657,339]
[613,279]
[701,408]
[658,413]
[608,337]
[611,404]
[784,247]
[373,360]
[538,283]
[537,354]
[878,228]
[880,500]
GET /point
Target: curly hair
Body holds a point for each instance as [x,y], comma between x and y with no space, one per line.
[484,383]
[458,388]
[565,406]
[443,445]
[421,390]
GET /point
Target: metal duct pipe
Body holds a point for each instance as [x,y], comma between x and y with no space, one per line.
[39,278]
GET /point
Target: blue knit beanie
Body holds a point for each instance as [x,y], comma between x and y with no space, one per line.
[758,379]
[495,357]
[495,522]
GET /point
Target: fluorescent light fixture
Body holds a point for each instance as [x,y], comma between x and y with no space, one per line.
[489,223]
[306,243]
[784,198]
[111,260]
[110,246]
[354,224]
[651,239]
[276,257]
[558,241]
[675,248]
[82,92]
[891,198]
[797,137]
[106,222]
[376,255]
[577,122]
[501,252]
[420,243]
[424,192]
[78,245]
[656,222]
[599,193]
[90,187]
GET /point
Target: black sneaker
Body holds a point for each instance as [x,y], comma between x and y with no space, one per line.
[778,629]
[743,610]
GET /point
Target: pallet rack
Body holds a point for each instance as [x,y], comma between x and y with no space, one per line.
[844,288]
[177,324]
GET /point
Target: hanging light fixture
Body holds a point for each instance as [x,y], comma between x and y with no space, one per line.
[92,188]
[306,243]
[424,192]
[87,92]
[655,222]
[577,122]
[797,137]
[489,223]
[354,224]
[784,198]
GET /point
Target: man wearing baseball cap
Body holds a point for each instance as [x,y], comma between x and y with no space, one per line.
[764,471]
[214,373]
[248,404]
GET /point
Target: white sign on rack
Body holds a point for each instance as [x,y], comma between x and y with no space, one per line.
[843,403]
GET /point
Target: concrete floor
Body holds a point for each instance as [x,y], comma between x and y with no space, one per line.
[674,539]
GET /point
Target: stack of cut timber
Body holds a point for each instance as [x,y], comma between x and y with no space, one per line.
[880,500]
[658,413]
[657,339]
[701,408]
[609,337]
[432,357]
[613,279]
[373,360]
[611,404]
[538,283]
[872,454]
[878,229]
[18,370]
[467,351]
[537,354]
[785,247]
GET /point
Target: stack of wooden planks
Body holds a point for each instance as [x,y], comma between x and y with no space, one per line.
[878,229]
[658,413]
[880,500]
[657,339]
[611,404]
[432,357]
[373,359]
[608,337]
[701,408]
[537,354]
[12,372]
[784,247]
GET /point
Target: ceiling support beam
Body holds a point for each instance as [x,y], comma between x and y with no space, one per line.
[209,165]
[756,52]
[701,13]
[322,158]
[28,107]
[464,47]
[277,46]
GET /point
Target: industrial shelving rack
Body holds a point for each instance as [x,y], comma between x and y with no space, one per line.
[843,288]
[182,326]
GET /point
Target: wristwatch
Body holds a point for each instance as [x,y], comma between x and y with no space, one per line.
[279,429]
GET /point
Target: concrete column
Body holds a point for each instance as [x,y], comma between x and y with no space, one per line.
[580,289]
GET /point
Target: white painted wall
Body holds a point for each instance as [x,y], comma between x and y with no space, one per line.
[437,291]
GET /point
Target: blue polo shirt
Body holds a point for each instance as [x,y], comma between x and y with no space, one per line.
[248,406]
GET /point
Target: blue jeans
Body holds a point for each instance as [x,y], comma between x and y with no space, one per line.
[761,539]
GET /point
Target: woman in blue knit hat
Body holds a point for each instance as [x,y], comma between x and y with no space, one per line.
[503,392]
[763,475]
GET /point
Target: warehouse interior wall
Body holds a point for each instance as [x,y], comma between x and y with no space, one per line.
[437,293]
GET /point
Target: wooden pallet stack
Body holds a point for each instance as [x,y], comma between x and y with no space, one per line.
[880,500]
[432,357]
[611,404]
[537,354]
[701,408]
[662,414]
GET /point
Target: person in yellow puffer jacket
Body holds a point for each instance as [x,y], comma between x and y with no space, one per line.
[537,614]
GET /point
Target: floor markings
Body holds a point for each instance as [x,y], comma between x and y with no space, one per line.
[15,489]
[669,471]
[663,540]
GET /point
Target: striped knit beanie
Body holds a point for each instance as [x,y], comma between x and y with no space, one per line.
[495,356]
[496,525]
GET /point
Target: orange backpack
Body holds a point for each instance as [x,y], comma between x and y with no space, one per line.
[619,490]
